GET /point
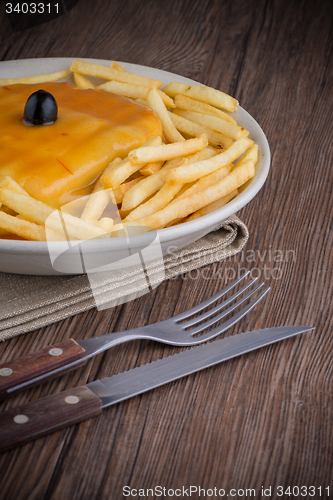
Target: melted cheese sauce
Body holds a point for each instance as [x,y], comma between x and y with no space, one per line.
[58,163]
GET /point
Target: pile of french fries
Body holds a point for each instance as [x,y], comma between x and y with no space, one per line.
[198,166]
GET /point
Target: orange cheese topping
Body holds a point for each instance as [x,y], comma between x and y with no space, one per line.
[58,163]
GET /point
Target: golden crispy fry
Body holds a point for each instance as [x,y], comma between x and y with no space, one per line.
[156,203]
[4,234]
[167,151]
[52,77]
[117,172]
[120,191]
[141,191]
[183,174]
[251,154]
[152,168]
[156,103]
[120,170]
[100,71]
[7,210]
[105,223]
[188,104]
[142,102]
[211,207]
[212,96]
[36,211]
[72,227]
[96,205]
[134,91]
[174,88]
[148,186]
[23,228]
[9,183]
[212,122]
[194,129]
[82,82]
[190,204]
[115,65]
[175,222]
[204,182]
[108,171]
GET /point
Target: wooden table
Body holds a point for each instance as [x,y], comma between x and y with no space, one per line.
[265,419]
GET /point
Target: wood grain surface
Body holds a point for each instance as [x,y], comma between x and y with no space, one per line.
[265,419]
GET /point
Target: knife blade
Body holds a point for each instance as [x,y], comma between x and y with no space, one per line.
[25,423]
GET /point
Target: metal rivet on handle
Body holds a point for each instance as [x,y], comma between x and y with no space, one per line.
[55,351]
[21,419]
[5,372]
[72,400]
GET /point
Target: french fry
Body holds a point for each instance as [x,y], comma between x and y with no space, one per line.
[83,83]
[96,205]
[148,186]
[57,236]
[206,153]
[117,172]
[156,203]
[204,182]
[120,170]
[212,122]
[251,154]
[156,103]
[183,174]
[52,77]
[23,228]
[211,207]
[142,102]
[9,183]
[120,191]
[174,88]
[134,91]
[175,222]
[7,210]
[4,234]
[141,191]
[212,96]
[151,168]
[100,71]
[36,211]
[115,65]
[190,204]
[72,227]
[167,151]
[194,129]
[105,223]
[108,171]
[189,104]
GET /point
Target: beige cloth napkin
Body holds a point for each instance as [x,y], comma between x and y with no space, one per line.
[31,302]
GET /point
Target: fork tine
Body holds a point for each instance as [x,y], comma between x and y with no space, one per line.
[232,321]
[210,300]
[217,318]
[217,308]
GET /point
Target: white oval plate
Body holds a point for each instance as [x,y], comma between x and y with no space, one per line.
[28,257]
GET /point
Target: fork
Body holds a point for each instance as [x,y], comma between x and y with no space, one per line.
[64,356]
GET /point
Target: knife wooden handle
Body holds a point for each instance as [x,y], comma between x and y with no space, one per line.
[25,423]
[33,365]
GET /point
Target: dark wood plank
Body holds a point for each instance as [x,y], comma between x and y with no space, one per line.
[262,419]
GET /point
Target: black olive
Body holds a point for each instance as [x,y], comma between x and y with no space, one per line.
[40,109]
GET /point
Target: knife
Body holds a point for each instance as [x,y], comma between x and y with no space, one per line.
[25,423]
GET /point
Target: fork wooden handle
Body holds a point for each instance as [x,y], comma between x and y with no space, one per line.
[21,370]
[27,422]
